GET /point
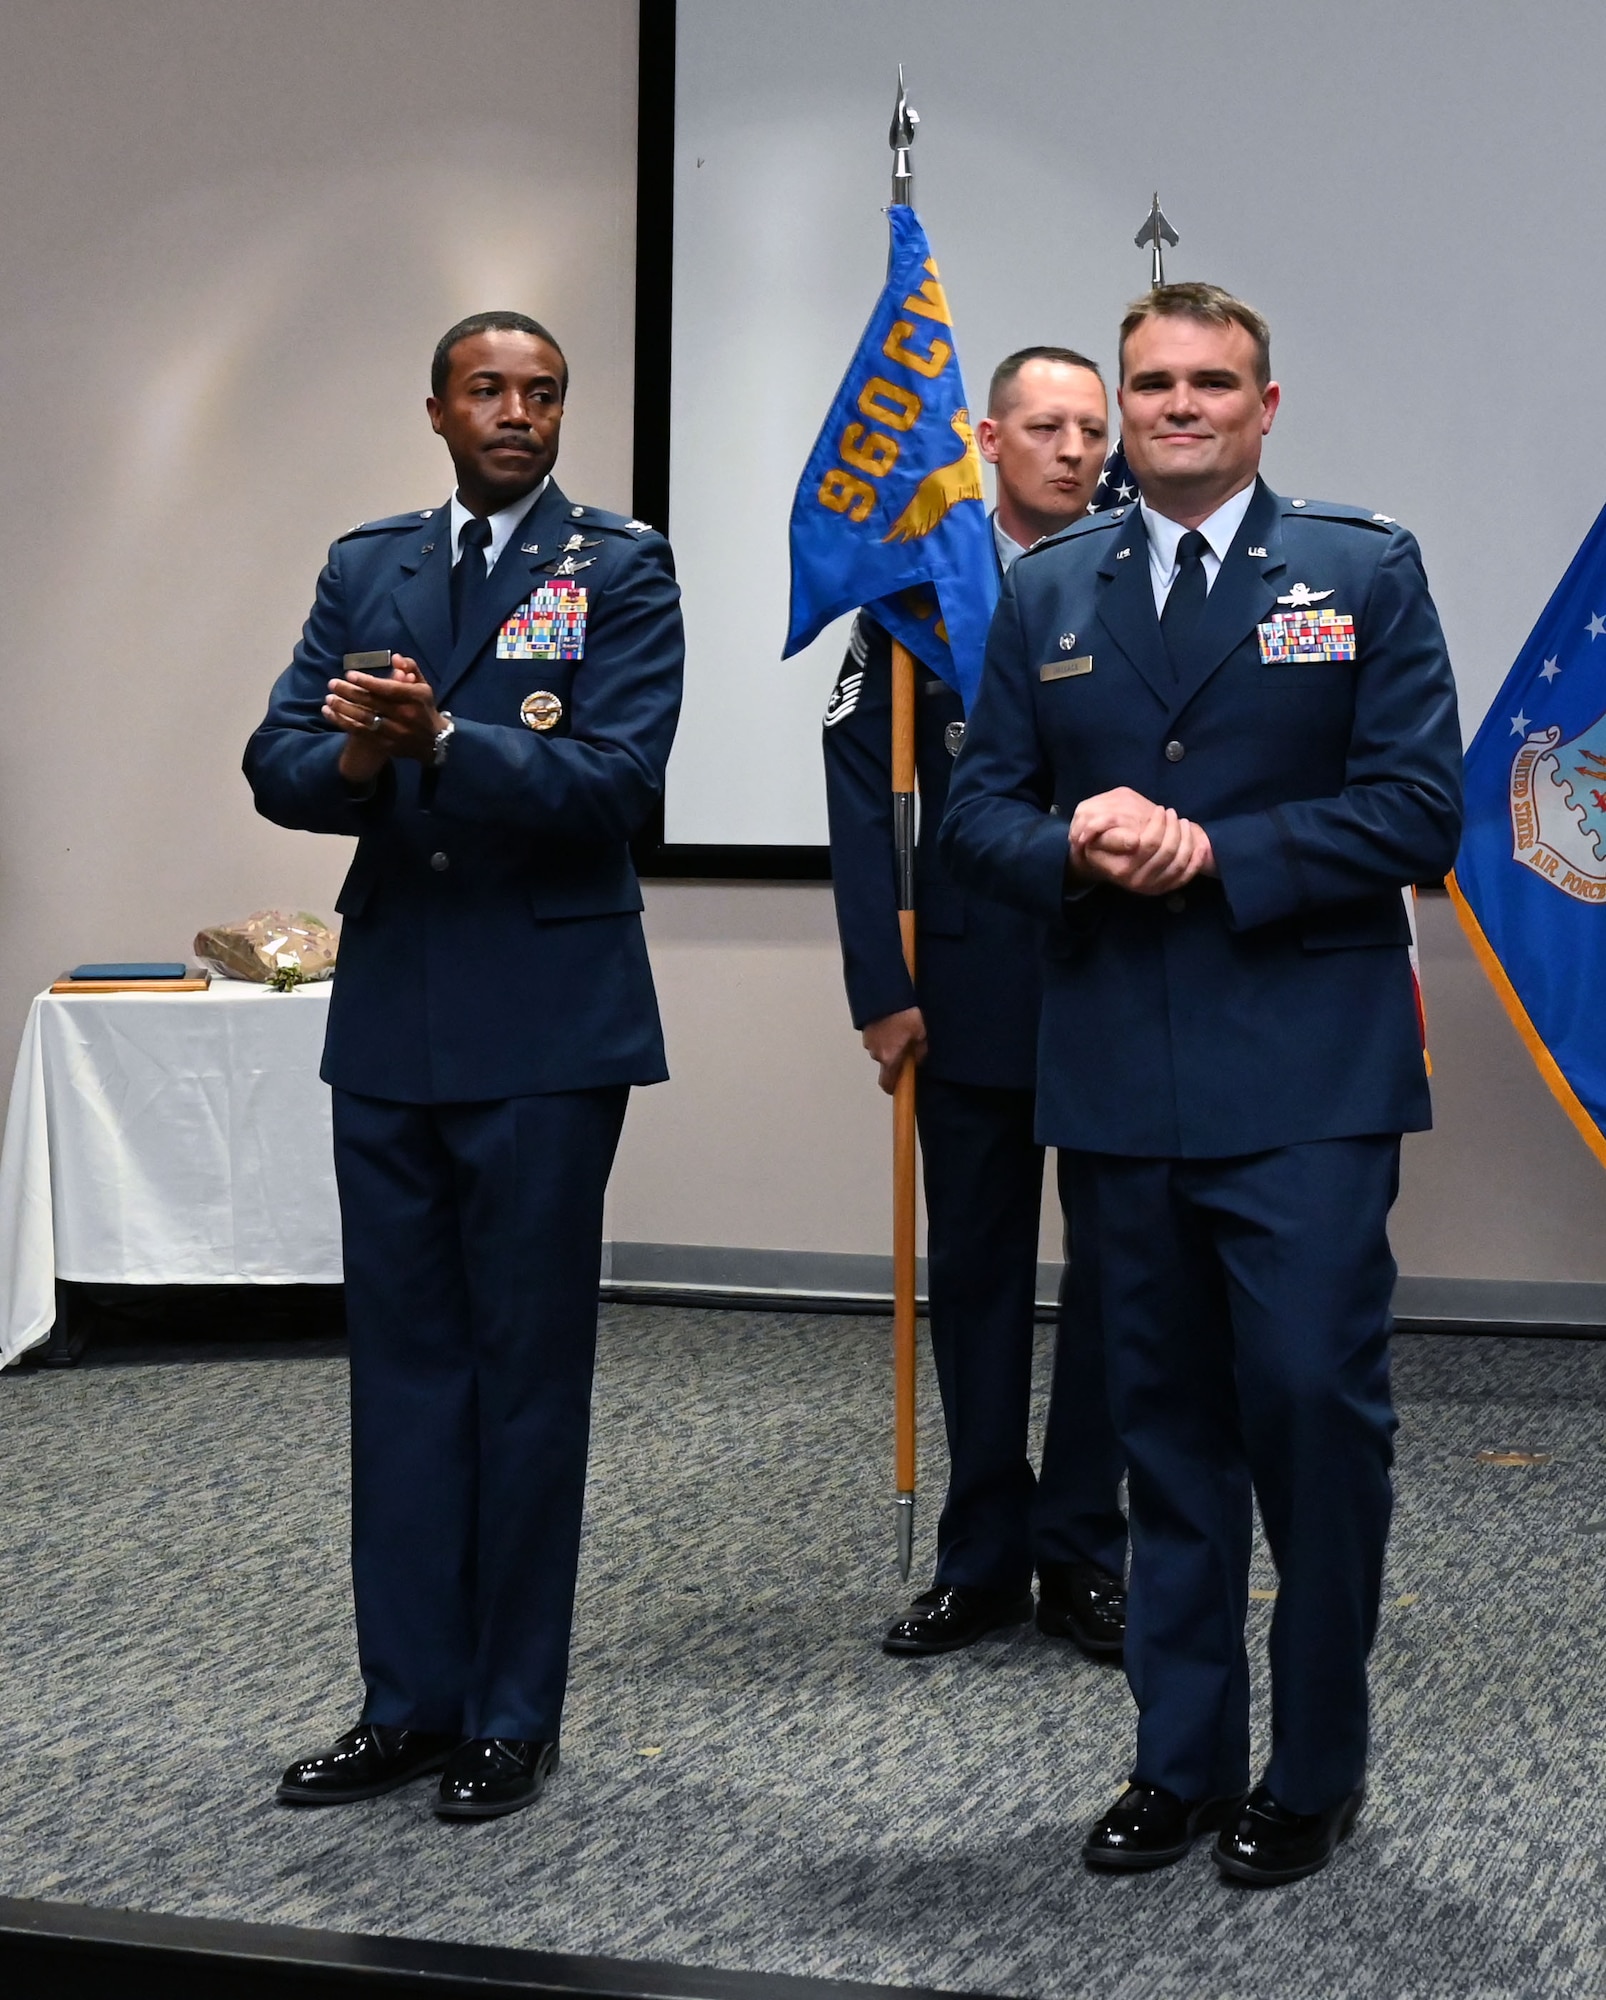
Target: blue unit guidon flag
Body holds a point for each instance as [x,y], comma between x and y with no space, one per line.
[1530,880]
[890,513]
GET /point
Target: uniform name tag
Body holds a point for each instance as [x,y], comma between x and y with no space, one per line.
[549,625]
[1307,638]
[1064,670]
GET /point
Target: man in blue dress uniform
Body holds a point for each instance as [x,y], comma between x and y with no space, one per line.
[484,694]
[970,1019]
[1216,734]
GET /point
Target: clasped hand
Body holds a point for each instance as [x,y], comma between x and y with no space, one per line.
[383,718]
[1126,840]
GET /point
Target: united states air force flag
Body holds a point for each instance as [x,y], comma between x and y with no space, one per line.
[1530,881]
[890,513]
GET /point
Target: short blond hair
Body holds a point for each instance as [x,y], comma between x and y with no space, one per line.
[1211,306]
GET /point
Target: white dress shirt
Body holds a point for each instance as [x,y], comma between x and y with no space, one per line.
[1007,546]
[502,524]
[1165,536]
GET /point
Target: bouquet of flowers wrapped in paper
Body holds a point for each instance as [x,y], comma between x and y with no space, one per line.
[271,947]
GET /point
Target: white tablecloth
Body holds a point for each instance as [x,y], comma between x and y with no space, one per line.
[165,1138]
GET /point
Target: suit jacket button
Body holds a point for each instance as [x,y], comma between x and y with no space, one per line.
[1176,903]
[1174,752]
[440,863]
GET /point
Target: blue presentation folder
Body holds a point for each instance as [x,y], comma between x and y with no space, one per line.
[136,969]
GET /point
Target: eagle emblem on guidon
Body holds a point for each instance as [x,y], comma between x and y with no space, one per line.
[1558,810]
[942,488]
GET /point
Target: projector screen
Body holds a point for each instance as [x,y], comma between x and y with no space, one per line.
[1410,195]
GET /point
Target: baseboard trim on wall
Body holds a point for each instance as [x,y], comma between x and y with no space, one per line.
[834,1281]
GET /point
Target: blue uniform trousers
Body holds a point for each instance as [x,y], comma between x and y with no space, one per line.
[984,1190]
[1248,1302]
[473,1240]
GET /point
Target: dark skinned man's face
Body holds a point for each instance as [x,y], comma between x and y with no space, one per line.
[499,415]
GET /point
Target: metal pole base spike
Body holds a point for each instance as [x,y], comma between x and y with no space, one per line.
[905,1505]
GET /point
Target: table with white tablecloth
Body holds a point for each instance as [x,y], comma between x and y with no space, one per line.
[165,1139]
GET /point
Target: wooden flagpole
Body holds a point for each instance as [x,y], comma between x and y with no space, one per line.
[901,137]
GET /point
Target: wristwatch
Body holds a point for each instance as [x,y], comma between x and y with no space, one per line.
[443,736]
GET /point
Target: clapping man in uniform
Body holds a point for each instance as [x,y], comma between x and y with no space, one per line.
[484,694]
[1214,798]
[970,1019]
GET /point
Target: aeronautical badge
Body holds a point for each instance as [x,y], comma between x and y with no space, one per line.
[1558,809]
[844,698]
[549,625]
[541,710]
[1307,638]
[1302,596]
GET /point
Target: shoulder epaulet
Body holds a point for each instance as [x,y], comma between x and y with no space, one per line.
[1090,524]
[619,524]
[1336,510]
[391,524]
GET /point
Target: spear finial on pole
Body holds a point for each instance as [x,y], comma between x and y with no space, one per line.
[902,136]
[1155,233]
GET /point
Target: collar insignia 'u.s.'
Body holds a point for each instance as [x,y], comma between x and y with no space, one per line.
[549,625]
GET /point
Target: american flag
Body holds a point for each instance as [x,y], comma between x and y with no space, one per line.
[1116,487]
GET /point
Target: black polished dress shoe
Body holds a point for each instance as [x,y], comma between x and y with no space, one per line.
[1083,1602]
[494,1775]
[367,1762]
[1266,1844]
[954,1615]
[1149,1827]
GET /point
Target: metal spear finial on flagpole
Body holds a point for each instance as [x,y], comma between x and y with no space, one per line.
[901,137]
[1155,233]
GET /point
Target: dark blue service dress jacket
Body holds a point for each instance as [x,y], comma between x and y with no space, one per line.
[978,980]
[1274,1005]
[492,943]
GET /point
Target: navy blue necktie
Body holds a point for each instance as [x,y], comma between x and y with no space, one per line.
[1185,602]
[469,573]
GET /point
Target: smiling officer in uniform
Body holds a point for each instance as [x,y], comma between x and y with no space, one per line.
[970,1019]
[1214,797]
[485,694]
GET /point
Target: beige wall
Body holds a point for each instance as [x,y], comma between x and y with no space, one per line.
[230,237]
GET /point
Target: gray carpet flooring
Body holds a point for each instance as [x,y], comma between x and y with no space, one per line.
[747,1781]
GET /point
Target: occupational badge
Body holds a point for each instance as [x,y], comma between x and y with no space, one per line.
[1307,638]
[541,710]
[549,625]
